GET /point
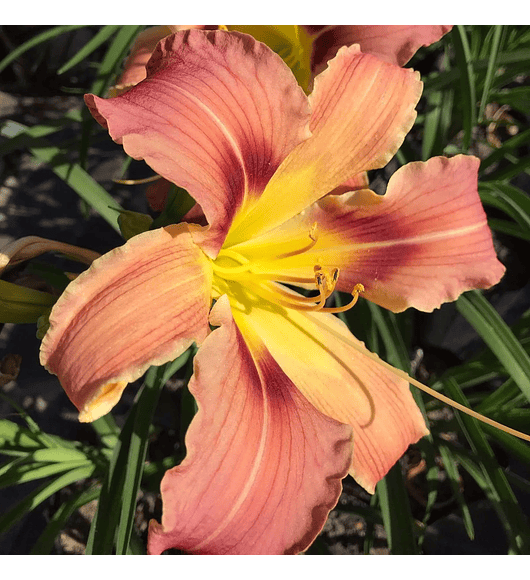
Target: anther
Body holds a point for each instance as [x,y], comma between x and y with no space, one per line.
[357,289]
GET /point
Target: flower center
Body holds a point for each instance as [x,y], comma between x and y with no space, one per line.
[231,268]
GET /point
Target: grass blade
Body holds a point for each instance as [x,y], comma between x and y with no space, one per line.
[104,34]
[35,41]
[42,493]
[497,487]
[498,336]
[44,544]
[498,33]
[464,60]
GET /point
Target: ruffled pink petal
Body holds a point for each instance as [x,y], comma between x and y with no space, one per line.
[134,68]
[141,304]
[217,115]
[394,44]
[263,468]
[141,51]
[421,244]
[343,380]
[346,139]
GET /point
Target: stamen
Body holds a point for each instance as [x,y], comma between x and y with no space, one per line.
[358,288]
[313,236]
[403,375]
[137,181]
[326,281]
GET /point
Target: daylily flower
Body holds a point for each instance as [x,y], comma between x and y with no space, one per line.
[305,49]
[289,401]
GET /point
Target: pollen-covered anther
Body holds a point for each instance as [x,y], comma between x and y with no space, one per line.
[357,289]
[326,280]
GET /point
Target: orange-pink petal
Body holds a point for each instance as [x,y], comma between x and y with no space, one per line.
[392,43]
[362,108]
[421,244]
[263,467]
[134,68]
[141,304]
[216,115]
[343,380]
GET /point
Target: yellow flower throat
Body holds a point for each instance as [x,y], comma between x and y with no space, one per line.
[242,278]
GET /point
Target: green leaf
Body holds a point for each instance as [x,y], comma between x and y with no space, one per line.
[35,41]
[451,469]
[397,516]
[508,198]
[58,521]
[508,146]
[498,32]
[42,493]
[104,34]
[498,336]
[76,177]
[507,227]
[23,472]
[22,305]
[121,485]
[106,74]
[464,60]
[496,485]
[79,180]
[517,98]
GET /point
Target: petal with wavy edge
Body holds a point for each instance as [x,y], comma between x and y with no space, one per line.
[421,244]
[263,468]
[141,304]
[134,68]
[139,55]
[216,115]
[342,379]
[391,43]
[362,108]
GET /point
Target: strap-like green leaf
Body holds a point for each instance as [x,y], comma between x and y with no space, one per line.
[103,34]
[40,494]
[498,336]
[22,305]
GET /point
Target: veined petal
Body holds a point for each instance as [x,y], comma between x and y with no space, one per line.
[335,373]
[263,467]
[141,304]
[391,43]
[362,108]
[421,244]
[134,68]
[140,53]
[216,115]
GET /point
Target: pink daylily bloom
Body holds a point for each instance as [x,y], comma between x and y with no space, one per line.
[310,46]
[393,43]
[289,401]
